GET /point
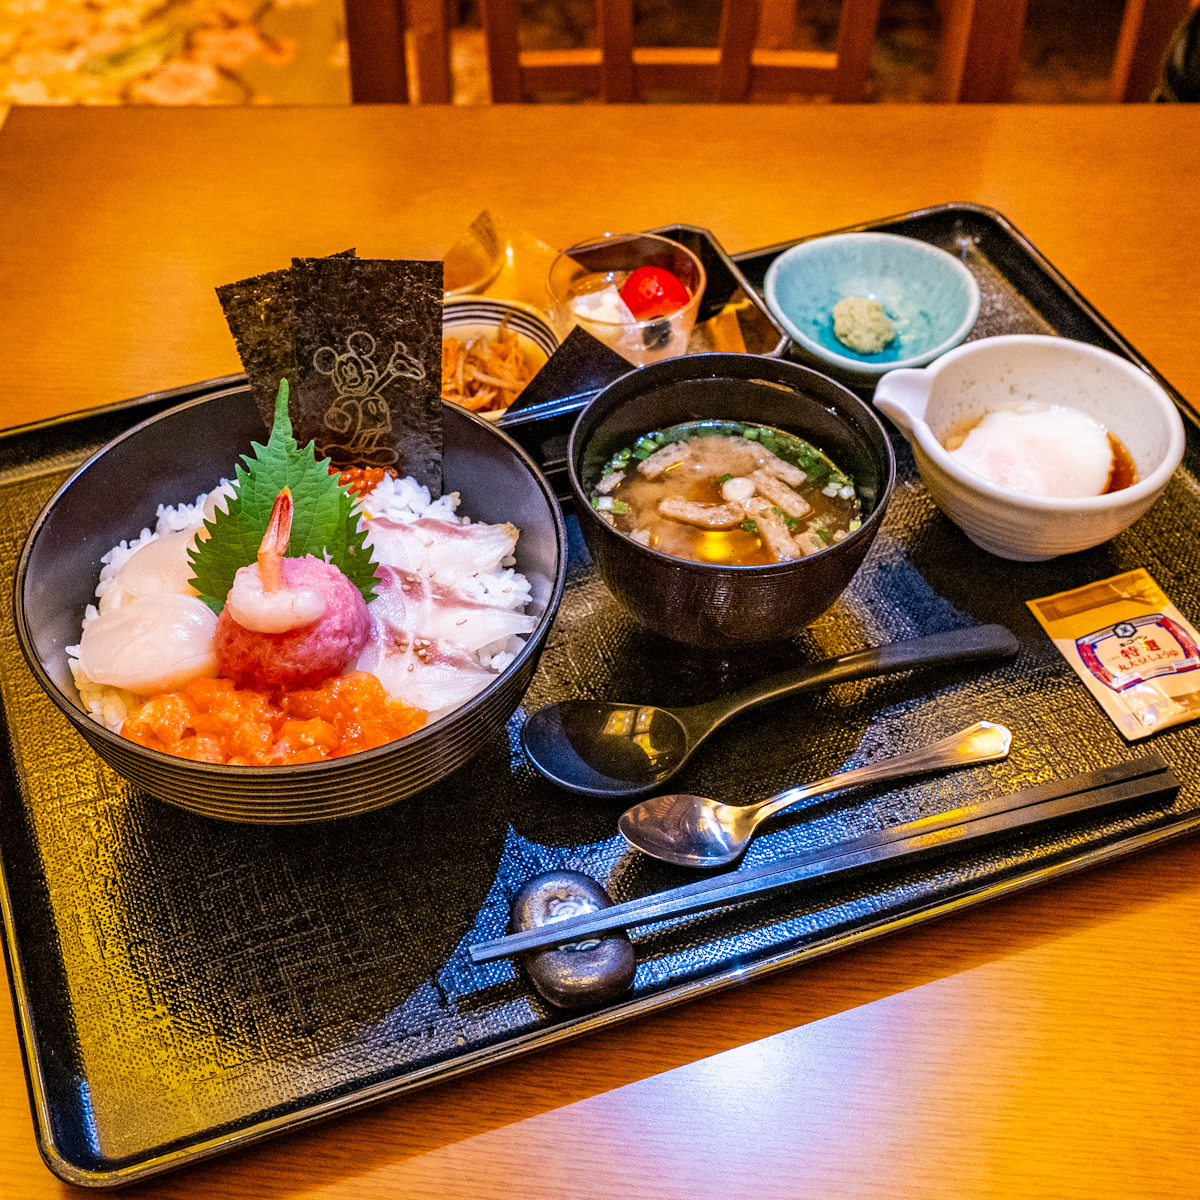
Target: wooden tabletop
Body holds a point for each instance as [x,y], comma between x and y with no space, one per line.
[1044,1045]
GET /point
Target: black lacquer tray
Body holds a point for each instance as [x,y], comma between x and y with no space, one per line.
[184,986]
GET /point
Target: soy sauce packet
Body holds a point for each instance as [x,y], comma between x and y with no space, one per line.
[1133,649]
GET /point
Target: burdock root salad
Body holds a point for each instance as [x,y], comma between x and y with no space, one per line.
[298,613]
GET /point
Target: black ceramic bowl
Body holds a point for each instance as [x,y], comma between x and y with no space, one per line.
[721,606]
[171,459]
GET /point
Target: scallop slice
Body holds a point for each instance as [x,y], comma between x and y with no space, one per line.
[160,566]
[151,644]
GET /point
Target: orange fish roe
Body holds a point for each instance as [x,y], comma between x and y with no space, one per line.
[213,720]
[360,480]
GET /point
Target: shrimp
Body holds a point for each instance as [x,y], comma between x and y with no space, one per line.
[289,622]
[260,598]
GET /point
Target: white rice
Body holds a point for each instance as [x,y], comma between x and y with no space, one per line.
[401,500]
[180,517]
[405,500]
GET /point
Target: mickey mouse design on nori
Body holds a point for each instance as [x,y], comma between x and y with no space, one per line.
[359,415]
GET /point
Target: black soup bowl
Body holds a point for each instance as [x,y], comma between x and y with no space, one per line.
[706,604]
[171,458]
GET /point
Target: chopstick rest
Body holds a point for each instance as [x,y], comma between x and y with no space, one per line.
[1091,792]
[585,973]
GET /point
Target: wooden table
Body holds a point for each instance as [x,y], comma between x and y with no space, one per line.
[1043,1046]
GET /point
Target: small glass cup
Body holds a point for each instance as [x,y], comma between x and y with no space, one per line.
[609,260]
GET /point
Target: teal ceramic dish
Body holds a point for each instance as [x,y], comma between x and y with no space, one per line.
[930,297]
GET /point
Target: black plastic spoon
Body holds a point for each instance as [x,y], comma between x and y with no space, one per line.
[606,749]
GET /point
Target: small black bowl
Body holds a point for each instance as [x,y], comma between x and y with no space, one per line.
[704,604]
[171,458]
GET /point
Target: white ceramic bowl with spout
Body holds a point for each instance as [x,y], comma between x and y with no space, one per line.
[1003,373]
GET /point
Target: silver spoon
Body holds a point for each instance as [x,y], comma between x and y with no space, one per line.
[692,831]
[612,750]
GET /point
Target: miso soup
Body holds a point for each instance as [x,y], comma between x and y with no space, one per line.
[727,493]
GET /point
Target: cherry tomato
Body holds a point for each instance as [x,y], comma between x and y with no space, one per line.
[654,292]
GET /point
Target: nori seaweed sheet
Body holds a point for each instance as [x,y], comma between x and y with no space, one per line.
[360,342]
[259,312]
[368,352]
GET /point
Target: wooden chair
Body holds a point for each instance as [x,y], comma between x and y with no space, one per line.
[1146,31]
[379,67]
[620,73]
[981,48]
[375,36]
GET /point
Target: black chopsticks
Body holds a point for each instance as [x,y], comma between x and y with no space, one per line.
[1093,791]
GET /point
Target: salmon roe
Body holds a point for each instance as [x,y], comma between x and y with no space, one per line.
[358,481]
[213,720]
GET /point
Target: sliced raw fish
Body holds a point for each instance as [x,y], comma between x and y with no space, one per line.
[151,644]
[441,550]
[410,604]
[436,677]
[159,566]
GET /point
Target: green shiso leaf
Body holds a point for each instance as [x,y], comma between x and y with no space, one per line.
[324,521]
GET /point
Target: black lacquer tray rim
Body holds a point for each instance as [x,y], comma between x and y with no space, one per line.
[570,1028]
[141,407]
[42,441]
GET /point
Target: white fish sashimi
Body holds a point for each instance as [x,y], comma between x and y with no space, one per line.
[151,644]
[441,550]
[160,566]
[410,604]
[438,680]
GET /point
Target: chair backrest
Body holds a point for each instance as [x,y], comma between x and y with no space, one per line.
[375,37]
[981,46]
[379,70]
[1146,32]
[618,72]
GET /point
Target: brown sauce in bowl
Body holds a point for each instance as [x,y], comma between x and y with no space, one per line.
[1124,472]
